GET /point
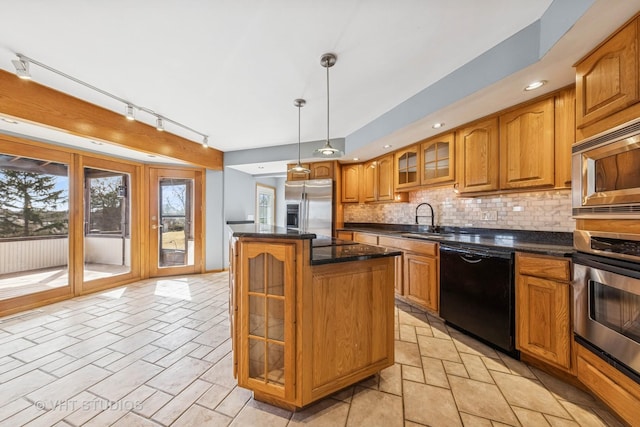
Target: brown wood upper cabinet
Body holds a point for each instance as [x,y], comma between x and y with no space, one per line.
[607,79]
[319,170]
[527,146]
[478,156]
[438,159]
[407,161]
[351,183]
[378,179]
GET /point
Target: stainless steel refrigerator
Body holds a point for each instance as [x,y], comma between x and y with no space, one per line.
[310,206]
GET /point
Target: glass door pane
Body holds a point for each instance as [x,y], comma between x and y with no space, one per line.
[176,245]
[34,225]
[107,240]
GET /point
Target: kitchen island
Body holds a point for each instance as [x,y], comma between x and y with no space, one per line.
[309,316]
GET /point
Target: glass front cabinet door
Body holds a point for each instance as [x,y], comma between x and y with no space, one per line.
[406,170]
[267,318]
[438,159]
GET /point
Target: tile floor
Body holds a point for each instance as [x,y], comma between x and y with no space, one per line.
[158,353]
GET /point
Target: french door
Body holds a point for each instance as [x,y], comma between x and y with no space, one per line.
[175,221]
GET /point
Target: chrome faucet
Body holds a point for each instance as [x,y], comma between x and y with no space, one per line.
[423,216]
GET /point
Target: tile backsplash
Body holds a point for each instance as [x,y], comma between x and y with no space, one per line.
[540,210]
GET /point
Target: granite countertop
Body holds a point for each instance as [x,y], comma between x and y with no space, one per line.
[540,242]
[268,231]
[324,250]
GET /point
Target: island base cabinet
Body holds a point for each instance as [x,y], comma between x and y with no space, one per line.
[303,331]
[351,332]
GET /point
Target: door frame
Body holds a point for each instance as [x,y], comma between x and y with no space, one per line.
[151,262]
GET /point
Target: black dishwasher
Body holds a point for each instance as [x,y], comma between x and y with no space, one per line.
[477,293]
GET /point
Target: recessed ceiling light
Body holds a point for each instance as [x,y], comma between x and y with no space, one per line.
[356,159]
[535,85]
[437,125]
[260,167]
[13,122]
[386,146]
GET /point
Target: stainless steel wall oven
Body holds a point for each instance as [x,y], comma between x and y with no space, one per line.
[606,286]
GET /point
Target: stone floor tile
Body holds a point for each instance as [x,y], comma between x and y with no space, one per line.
[412,319]
[178,376]
[454,368]
[529,394]
[563,390]
[391,380]
[14,407]
[325,413]
[258,414]
[412,373]
[128,359]
[212,398]
[560,422]
[467,344]
[219,352]
[344,395]
[23,417]
[375,408]
[429,405]
[583,415]
[434,373]
[176,339]
[517,367]
[198,416]
[135,420]
[476,368]
[177,354]
[23,385]
[15,346]
[176,406]
[529,418]
[469,420]
[121,383]
[153,403]
[79,363]
[234,402]
[213,336]
[407,353]
[438,348]
[481,399]
[408,333]
[424,330]
[86,346]
[221,373]
[39,350]
[439,329]
[134,342]
[63,389]
[495,364]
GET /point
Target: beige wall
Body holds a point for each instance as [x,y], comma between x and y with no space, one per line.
[542,210]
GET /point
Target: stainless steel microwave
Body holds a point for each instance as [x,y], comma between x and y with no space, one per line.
[606,174]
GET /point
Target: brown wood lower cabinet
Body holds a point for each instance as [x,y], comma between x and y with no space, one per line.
[543,314]
[419,282]
[614,388]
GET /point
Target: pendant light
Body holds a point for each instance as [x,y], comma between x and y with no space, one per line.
[299,168]
[328,60]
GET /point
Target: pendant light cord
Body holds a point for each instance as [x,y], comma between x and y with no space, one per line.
[299,106]
[328,103]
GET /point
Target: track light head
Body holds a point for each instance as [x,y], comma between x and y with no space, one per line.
[130,113]
[205,141]
[160,124]
[22,68]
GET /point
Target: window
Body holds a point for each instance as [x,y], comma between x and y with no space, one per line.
[265,204]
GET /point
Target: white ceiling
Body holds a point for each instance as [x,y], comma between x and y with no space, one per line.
[231,69]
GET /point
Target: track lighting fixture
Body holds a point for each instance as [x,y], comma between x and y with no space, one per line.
[129,113]
[22,70]
[298,168]
[328,60]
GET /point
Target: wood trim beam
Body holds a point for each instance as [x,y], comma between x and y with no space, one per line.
[32,102]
